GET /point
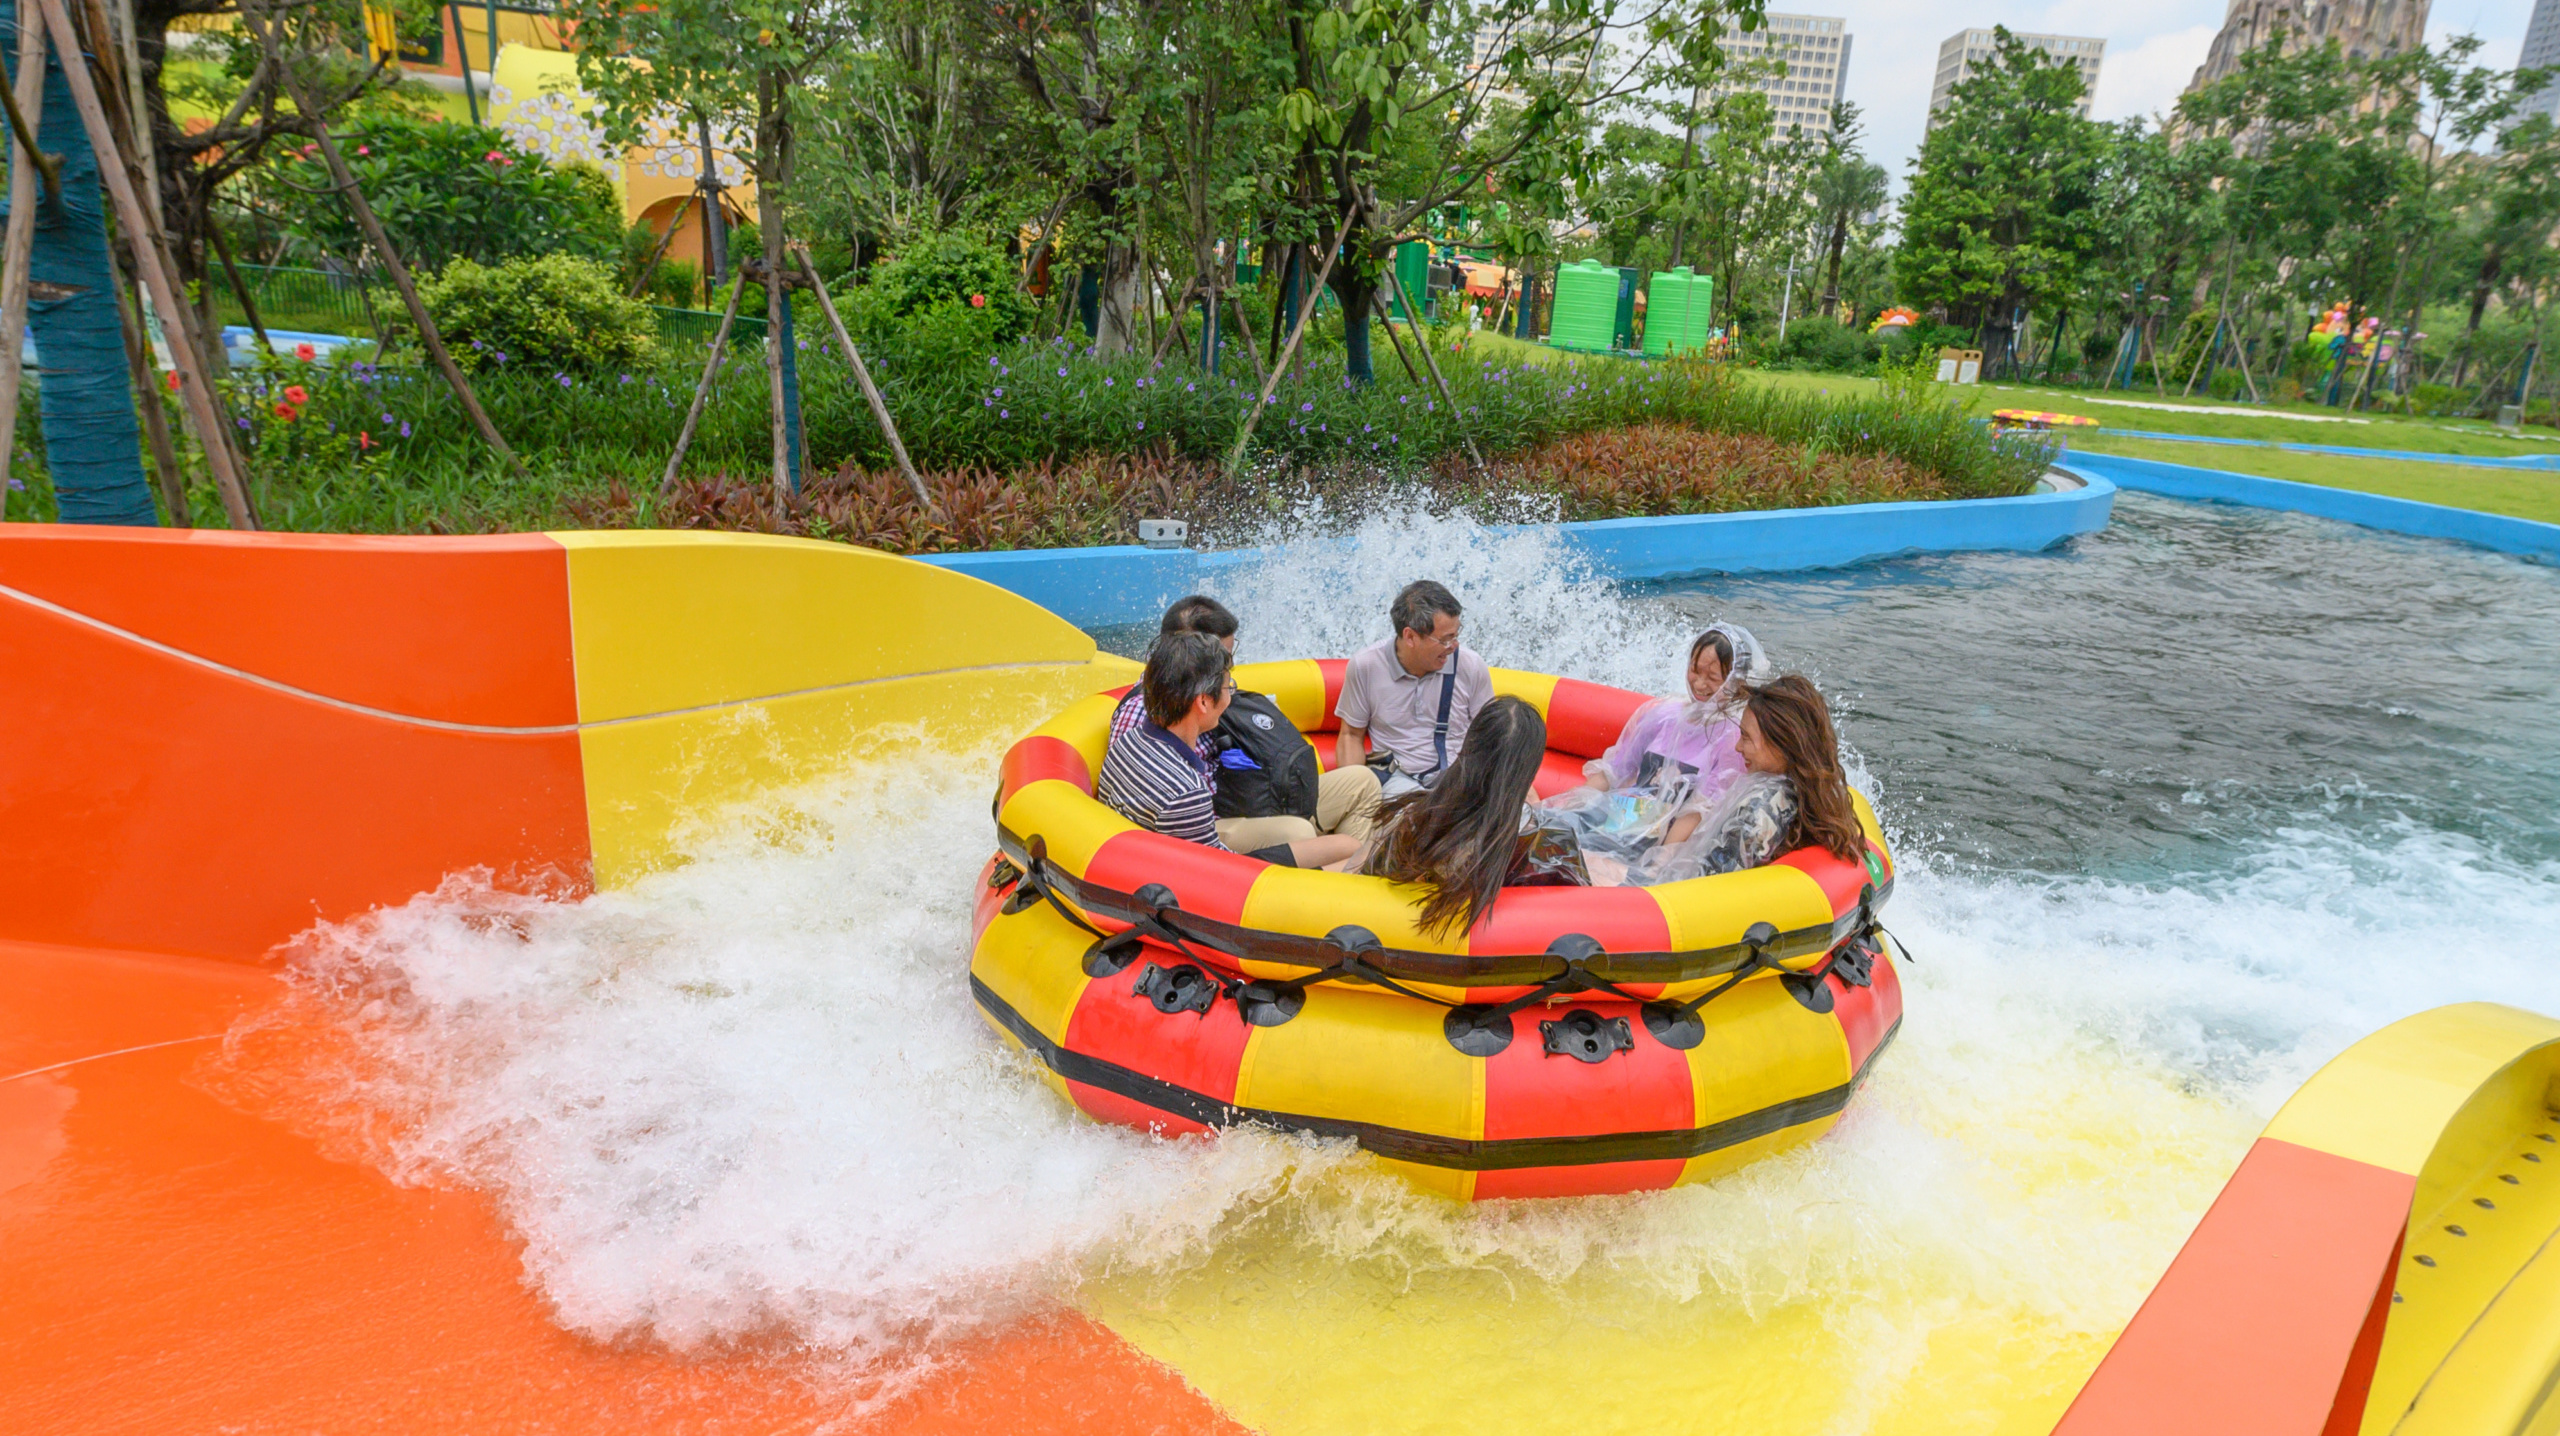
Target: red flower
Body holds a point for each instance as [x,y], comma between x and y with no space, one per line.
[173,381]
[363,441]
[287,412]
[295,393]
[977,301]
[305,353]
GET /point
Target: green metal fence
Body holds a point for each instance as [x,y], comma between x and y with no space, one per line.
[313,300]
[696,326]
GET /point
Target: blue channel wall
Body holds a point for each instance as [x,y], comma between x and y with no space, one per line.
[2539,541]
[1098,587]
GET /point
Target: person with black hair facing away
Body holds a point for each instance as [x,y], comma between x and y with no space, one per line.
[1156,774]
[1461,840]
[1270,790]
[1412,697]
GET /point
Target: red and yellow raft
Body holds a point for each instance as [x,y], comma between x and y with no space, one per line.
[1577,1040]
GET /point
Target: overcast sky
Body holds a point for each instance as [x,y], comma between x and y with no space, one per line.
[2153,49]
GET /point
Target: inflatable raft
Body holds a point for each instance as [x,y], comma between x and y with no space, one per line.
[1577,1040]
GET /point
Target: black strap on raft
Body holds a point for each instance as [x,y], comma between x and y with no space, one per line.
[1678,1025]
[1109,952]
[1474,1028]
[1483,1029]
[1263,1002]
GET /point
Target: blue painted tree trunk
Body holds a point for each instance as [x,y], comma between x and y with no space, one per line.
[92,444]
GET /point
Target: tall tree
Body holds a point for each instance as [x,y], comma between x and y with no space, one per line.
[2000,217]
[1847,187]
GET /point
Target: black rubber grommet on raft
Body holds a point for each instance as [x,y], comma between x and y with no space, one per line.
[1478,1029]
[1586,1036]
[1182,988]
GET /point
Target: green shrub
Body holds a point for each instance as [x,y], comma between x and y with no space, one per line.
[677,283]
[557,313]
[2439,400]
[949,267]
[2225,384]
[446,191]
[1824,344]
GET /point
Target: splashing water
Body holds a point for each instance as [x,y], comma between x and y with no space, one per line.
[751,1100]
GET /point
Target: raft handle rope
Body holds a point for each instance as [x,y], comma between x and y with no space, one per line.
[1475,1029]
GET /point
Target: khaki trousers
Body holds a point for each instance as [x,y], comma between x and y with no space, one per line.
[1346,802]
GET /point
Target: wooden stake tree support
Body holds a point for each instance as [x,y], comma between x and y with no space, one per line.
[702,387]
[262,26]
[1289,350]
[870,391]
[853,359]
[116,167]
[24,102]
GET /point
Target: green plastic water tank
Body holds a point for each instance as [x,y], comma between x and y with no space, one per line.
[1666,311]
[1702,313]
[1586,307]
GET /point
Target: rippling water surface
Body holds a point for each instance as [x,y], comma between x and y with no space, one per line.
[2182,808]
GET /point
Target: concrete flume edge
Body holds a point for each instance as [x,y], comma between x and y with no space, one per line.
[2524,537]
[1099,587]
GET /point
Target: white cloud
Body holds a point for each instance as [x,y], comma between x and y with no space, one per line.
[2146,79]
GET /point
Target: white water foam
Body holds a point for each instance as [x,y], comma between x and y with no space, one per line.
[751,1101]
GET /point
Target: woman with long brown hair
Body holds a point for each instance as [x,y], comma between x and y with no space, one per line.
[1794,794]
[1459,838]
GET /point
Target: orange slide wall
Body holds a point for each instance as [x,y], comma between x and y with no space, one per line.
[207,742]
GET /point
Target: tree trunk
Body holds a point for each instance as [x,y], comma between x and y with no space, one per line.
[1358,292]
[1831,284]
[1115,329]
[2491,262]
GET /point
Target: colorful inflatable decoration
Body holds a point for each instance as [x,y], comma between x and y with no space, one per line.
[1894,318]
[2038,419]
[1578,1040]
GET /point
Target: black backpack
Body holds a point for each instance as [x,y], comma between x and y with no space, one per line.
[1266,767]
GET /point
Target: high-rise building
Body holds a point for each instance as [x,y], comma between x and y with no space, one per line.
[2362,28]
[1967,52]
[2542,49]
[1813,73]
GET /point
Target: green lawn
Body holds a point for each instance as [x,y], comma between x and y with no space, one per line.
[2524,495]
[2427,436]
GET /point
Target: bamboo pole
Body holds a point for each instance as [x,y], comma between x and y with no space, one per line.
[1244,326]
[1297,331]
[1405,301]
[155,420]
[1173,326]
[195,385]
[20,244]
[870,391]
[239,286]
[1378,302]
[649,271]
[344,180]
[702,388]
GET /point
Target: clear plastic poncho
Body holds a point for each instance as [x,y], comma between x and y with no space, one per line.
[1676,756]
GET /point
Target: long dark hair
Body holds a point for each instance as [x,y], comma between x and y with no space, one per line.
[1794,720]
[1458,837]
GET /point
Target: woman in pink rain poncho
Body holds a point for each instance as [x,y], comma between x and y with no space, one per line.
[1645,796]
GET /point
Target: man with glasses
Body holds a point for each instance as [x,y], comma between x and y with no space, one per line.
[1154,773]
[1407,700]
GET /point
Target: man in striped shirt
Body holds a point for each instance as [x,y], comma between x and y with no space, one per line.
[1153,772]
